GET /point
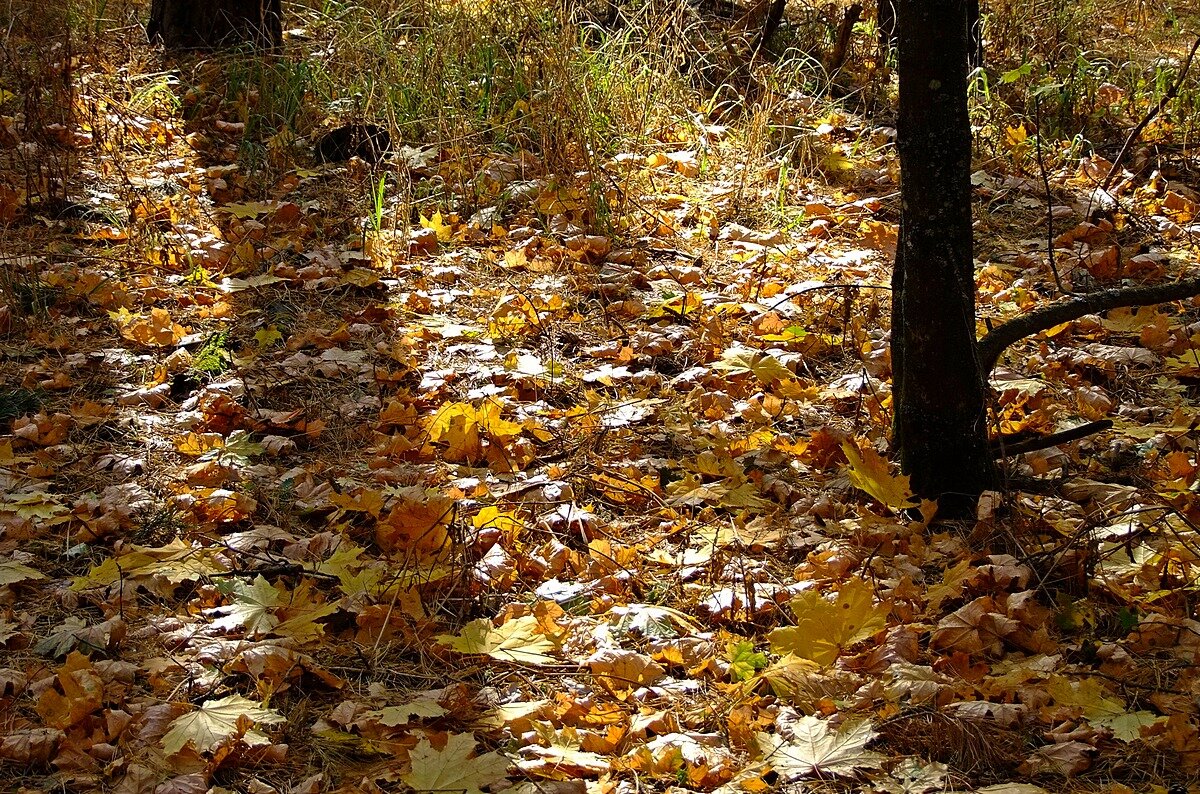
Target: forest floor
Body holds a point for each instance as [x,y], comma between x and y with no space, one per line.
[456,473]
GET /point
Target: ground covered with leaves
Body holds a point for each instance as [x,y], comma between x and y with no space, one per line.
[458,471]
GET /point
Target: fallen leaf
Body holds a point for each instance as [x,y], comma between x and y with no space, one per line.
[518,640]
[813,749]
[455,768]
[215,721]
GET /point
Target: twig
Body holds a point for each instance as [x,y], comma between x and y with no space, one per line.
[1058,282]
[1149,117]
[994,342]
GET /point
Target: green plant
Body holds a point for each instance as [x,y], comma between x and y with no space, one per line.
[213,357]
[19,402]
[377,195]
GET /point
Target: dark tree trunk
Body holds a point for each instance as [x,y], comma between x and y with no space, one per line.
[886,19]
[209,24]
[940,419]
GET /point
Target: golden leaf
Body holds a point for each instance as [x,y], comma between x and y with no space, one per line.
[869,472]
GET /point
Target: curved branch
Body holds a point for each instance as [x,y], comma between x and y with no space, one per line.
[995,341]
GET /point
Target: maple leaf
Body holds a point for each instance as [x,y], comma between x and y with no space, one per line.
[252,607]
[36,505]
[869,472]
[457,425]
[825,628]
[763,366]
[299,616]
[914,777]
[75,632]
[518,640]
[562,753]
[513,314]
[237,450]
[453,768]
[977,627]
[421,708]
[744,661]
[156,330]
[1100,707]
[443,230]
[13,572]
[82,693]
[267,337]
[216,721]
[418,523]
[249,209]
[176,562]
[619,669]
[197,444]
[813,749]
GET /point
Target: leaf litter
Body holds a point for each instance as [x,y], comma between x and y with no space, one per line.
[514,501]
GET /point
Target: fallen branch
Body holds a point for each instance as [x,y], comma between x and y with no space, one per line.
[1000,449]
[999,338]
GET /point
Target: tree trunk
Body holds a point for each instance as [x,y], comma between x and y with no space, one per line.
[940,413]
[184,24]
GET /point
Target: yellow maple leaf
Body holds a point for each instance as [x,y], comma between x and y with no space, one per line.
[82,693]
[514,314]
[417,524]
[505,521]
[519,640]
[457,426]
[197,444]
[217,721]
[443,230]
[157,329]
[366,500]
[869,472]
[825,628]
[454,767]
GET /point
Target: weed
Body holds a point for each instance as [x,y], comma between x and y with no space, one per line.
[19,402]
[377,195]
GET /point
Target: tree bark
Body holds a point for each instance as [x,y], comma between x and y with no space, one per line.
[938,388]
[211,24]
